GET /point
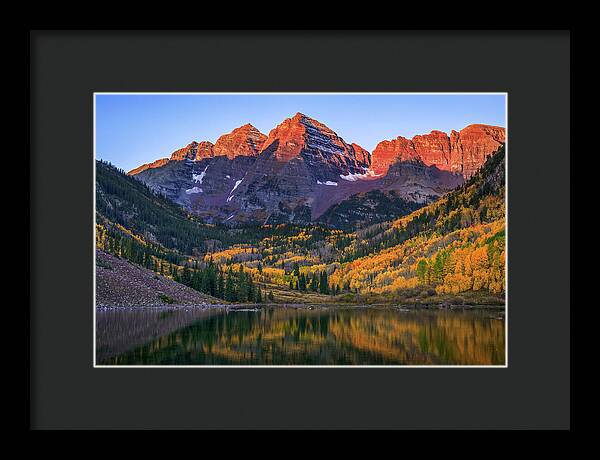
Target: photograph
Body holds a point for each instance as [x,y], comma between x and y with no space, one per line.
[333,229]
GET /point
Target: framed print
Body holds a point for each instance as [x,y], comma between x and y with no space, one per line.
[240,233]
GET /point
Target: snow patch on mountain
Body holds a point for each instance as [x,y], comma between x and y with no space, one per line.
[354,177]
[189,191]
[327,183]
[198,177]
[237,182]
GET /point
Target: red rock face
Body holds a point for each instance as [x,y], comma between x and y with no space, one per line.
[433,149]
[362,155]
[289,139]
[194,151]
[154,164]
[205,150]
[316,144]
[243,141]
[462,152]
[472,145]
[389,152]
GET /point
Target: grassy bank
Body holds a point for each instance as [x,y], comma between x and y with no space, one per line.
[407,297]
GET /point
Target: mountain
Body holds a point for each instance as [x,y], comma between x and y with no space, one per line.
[325,154]
[249,177]
[201,186]
[127,208]
[185,177]
[243,141]
[460,152]
[300,160]
[449,250]
[302,169]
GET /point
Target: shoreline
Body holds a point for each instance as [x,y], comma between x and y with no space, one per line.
[252,306]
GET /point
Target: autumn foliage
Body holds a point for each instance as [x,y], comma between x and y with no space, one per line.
[456,244]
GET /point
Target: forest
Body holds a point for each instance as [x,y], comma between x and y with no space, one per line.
[453,248]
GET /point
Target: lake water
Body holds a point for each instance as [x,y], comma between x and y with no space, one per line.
[291,336]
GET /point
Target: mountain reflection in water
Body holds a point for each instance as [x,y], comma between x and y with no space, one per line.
[289,336]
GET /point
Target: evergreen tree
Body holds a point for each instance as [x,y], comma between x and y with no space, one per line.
[323,284]
[197,280]
[221,285]
[302,282]
[186,277]
[258,296]
[314,282]
[230,291]
[252,292]
[242,286]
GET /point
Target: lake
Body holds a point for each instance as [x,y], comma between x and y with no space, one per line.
[299,336]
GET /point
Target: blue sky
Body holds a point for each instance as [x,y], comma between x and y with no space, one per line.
[136,129]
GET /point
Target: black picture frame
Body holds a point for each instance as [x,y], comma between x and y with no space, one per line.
[66,68]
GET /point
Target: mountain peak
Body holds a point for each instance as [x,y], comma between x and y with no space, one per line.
[305,120]
[497,133]
[325,153]
[481,126]
[243,141]
[314,121]
[245,128]
[193,151]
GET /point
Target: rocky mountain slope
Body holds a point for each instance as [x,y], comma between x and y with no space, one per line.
[303,168]
[121,283]
[367,208]
[407,186]
[125,205]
